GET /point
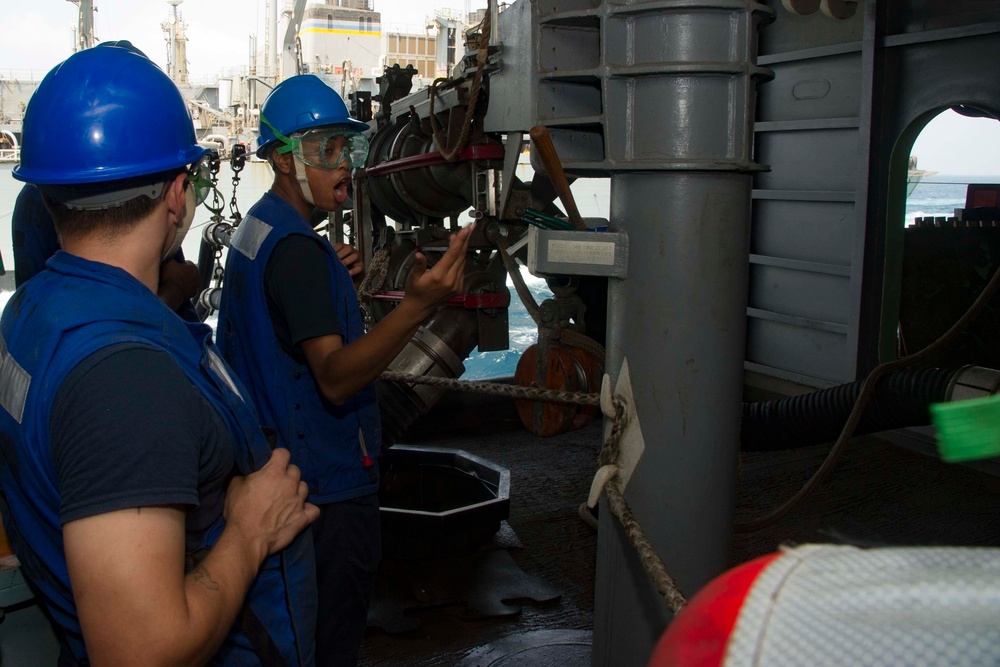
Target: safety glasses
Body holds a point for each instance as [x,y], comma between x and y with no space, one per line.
[199,177]
[325,148]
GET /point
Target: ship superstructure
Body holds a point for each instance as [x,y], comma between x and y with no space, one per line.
[339,39]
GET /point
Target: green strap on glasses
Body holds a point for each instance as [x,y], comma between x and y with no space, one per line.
[289,143]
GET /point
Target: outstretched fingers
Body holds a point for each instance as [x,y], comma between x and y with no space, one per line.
[452,263]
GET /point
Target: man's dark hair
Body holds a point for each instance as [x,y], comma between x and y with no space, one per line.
[108,222]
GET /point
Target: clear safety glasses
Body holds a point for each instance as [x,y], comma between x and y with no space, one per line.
[326,148]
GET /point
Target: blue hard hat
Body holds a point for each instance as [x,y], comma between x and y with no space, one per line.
[300,103]
[124,44]
[105,114]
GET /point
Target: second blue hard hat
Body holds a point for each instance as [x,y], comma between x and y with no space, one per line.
[105,114]
[300,103]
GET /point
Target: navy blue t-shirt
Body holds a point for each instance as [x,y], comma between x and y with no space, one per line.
[298,294]
[128,429]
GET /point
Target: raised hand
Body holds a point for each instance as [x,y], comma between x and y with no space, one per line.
[426,288]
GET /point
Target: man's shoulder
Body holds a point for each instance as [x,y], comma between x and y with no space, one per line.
[298,259]
[271,209]
[308,244]
[110,364]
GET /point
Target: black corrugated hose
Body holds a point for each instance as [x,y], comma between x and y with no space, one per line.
[867,390]
[900,400]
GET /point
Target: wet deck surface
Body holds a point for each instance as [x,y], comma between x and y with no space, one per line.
[879,495]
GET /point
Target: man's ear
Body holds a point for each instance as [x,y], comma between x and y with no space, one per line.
[282,162]
[176,196]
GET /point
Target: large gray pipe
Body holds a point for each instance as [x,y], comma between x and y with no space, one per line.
[679,107]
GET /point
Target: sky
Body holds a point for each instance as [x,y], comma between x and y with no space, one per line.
[954,144]
[39,34]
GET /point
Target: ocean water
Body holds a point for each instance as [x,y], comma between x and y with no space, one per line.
[940,195]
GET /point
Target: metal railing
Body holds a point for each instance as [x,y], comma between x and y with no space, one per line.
[22,74]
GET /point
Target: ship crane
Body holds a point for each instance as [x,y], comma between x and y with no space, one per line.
[291,50]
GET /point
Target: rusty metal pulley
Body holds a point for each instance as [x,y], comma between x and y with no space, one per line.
[560,367]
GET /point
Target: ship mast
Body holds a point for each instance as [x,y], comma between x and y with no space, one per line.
[173,29]
[271,39]
[84,38]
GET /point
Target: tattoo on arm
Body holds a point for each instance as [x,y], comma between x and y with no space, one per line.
[204,577]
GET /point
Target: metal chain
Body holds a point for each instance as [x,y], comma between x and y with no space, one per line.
[238,160]
[218,204]
[218,273]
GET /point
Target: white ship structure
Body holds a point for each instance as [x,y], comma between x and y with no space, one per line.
[343,42]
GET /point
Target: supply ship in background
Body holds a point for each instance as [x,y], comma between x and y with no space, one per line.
[343,42]
[753,270]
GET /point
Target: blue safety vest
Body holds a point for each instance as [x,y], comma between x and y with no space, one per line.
[52,323]
[328,442]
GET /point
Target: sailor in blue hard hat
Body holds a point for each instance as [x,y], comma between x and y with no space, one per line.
[291,328]
[303,116]
[139,491]
[34,240]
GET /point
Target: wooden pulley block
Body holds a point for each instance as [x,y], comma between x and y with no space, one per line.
[562,368]
[803,7]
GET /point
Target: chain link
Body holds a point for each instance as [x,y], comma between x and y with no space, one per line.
[238,160]
[217,203]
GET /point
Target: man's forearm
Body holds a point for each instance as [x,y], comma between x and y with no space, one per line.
[216,590]
[139,607]
[346,371]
